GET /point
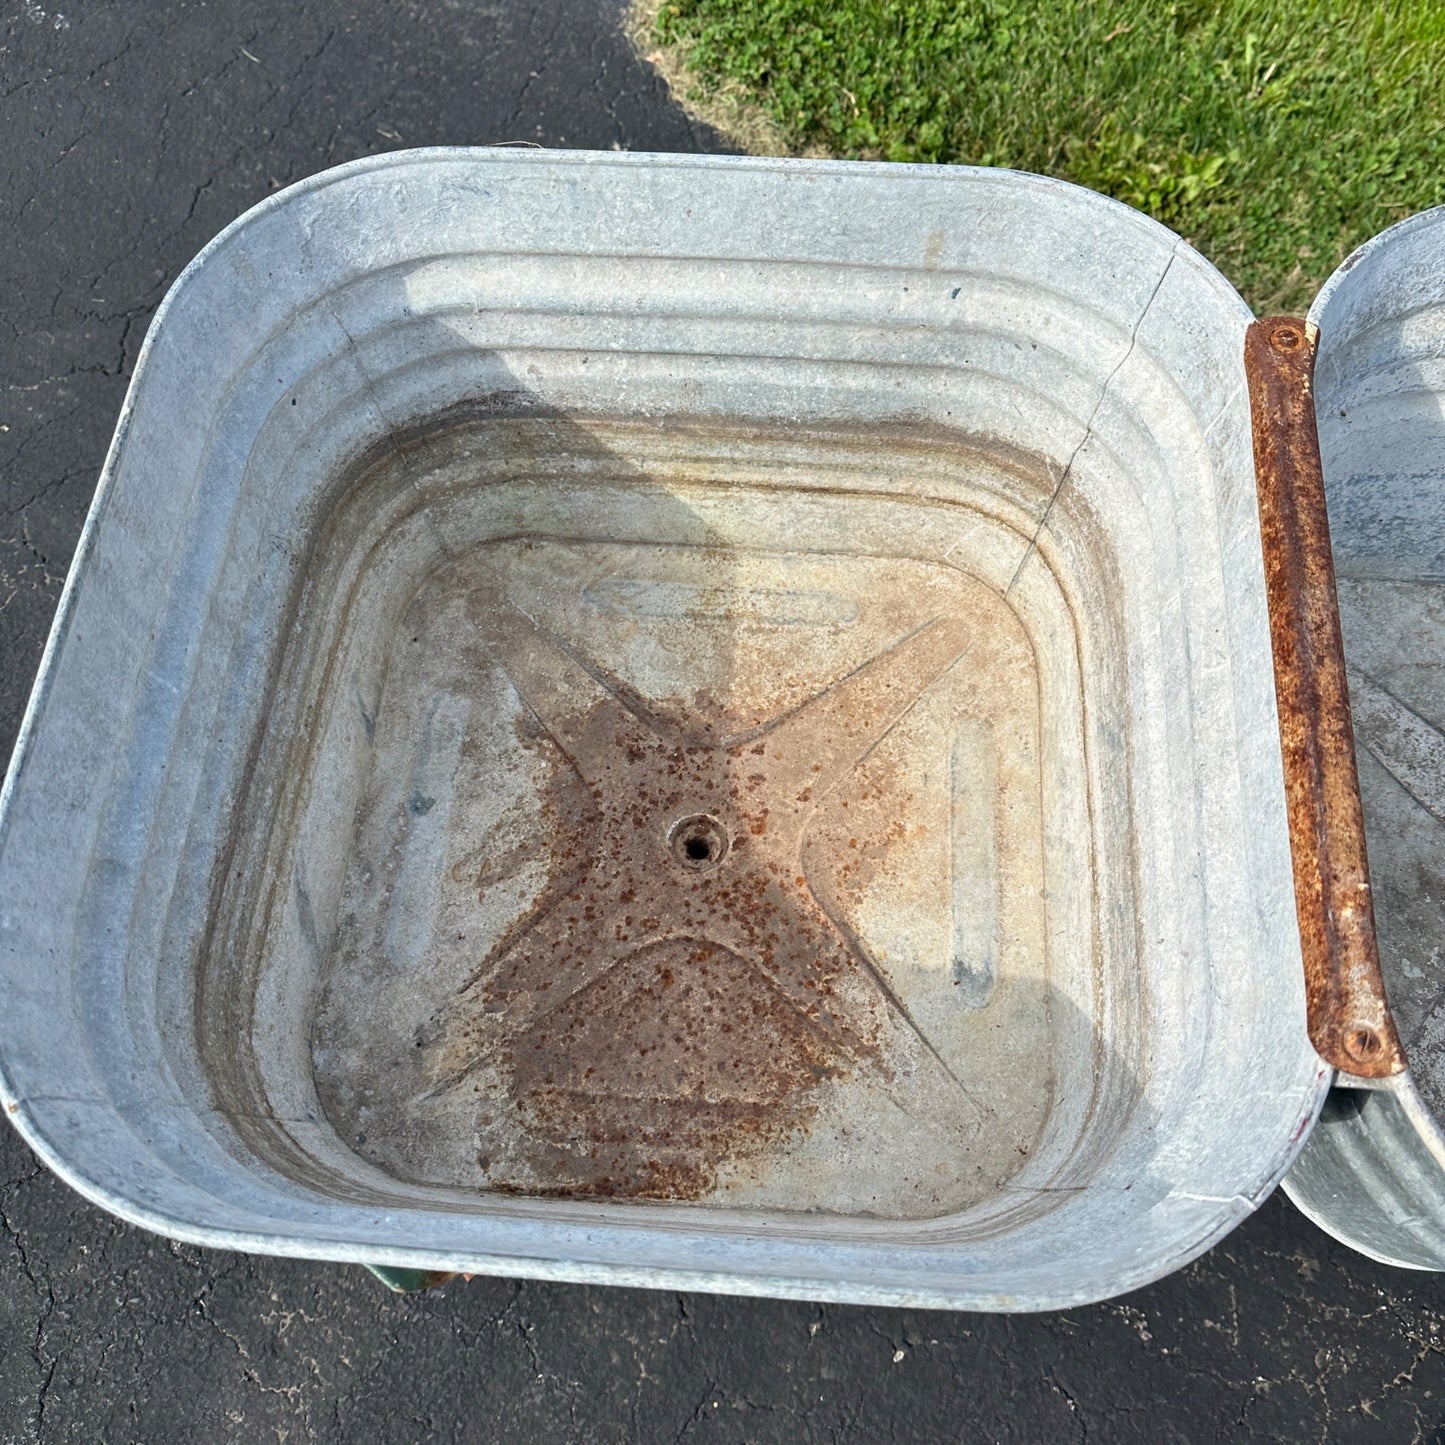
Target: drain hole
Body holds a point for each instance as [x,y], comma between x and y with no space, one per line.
[698,841]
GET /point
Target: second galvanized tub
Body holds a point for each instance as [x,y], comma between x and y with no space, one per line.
[674,721]
[1374,1173]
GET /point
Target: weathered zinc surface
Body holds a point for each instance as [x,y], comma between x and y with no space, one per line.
[664,424]
[1380,381]
[1375,1175]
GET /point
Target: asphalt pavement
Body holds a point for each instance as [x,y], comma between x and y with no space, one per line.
[130,133]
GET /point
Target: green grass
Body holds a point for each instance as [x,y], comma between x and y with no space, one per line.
[1275,136]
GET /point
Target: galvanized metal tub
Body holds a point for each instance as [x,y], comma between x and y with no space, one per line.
[1373,1174]
[696,722]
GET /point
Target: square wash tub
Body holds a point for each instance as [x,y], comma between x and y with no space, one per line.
[672,721]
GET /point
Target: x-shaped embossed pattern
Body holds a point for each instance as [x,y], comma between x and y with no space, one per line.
[679,990]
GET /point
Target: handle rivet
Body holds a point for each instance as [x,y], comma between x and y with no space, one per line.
[1362,1044]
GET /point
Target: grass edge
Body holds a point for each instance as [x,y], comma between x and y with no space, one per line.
[726,108]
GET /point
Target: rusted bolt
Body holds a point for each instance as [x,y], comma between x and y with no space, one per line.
[1287,337]
[1363,1044]
[698,841]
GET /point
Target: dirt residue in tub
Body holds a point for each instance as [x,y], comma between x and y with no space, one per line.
[678,992]
[661,944]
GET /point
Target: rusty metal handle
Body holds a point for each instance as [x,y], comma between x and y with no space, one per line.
[1349,1018]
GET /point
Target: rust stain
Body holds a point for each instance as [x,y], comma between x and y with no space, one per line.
[675,998]
[1349,1018]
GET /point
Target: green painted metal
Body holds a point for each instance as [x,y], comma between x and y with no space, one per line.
[409,1281]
